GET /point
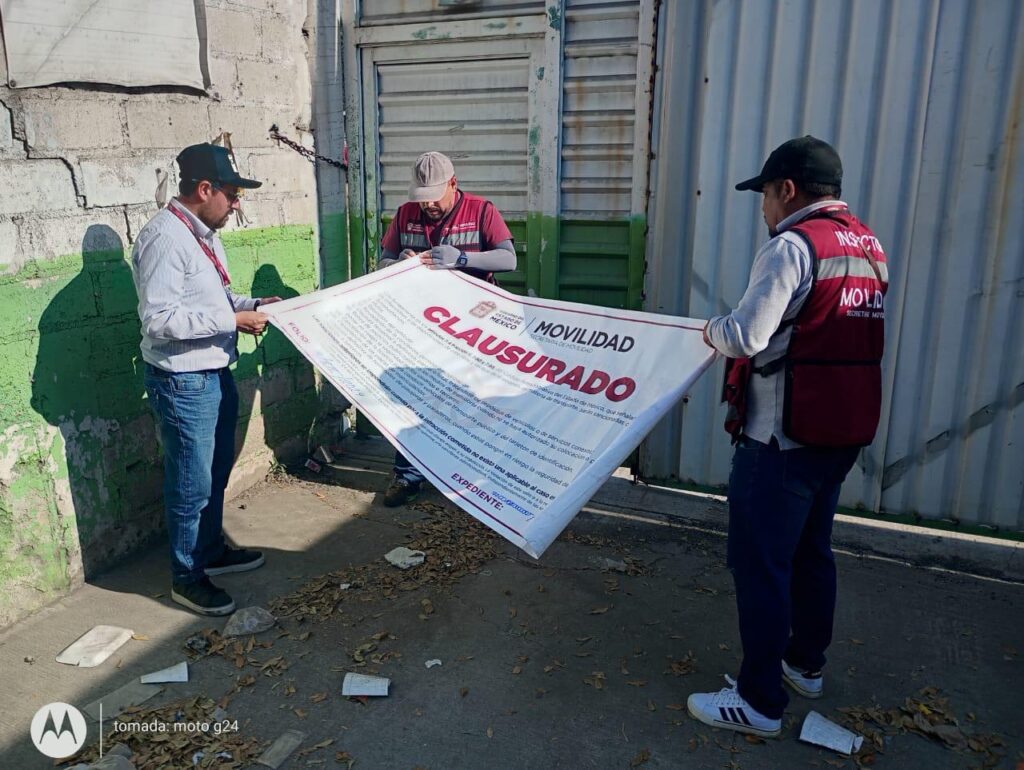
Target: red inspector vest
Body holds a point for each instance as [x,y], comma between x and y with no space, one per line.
[833,394]
[462,228]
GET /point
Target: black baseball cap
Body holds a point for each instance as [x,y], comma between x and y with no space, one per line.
[212,163]
[805,159]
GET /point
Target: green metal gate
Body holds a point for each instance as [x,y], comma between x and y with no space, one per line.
[544,109]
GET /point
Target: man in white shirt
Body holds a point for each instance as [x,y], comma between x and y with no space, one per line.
[190,323]
[808,336]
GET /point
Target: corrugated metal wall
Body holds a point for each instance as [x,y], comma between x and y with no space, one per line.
[473,111]
[598,108]
[924,100]
[409,11]
[601,130]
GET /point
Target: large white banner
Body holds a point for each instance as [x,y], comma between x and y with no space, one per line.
[517,409]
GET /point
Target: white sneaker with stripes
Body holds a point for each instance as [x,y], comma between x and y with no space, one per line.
[728,709]
[807,683]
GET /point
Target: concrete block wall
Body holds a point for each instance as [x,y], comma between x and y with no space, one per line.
[80,468]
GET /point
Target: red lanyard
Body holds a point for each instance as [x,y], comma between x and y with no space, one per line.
[221,270]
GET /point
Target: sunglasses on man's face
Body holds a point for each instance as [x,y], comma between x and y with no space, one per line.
[232,196]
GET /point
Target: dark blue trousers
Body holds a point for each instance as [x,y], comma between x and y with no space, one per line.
[198,414]
[406,470]
[781,506]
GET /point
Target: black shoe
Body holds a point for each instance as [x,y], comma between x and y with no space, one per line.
[401,492]
[202,597]
[235,560]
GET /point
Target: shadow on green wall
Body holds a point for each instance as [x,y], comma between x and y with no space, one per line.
[273,353]
[87,382]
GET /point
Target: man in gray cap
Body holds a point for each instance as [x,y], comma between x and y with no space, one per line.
[443,227]
[190,324]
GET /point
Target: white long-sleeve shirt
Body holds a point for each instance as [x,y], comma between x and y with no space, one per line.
[780,280]
[187,314]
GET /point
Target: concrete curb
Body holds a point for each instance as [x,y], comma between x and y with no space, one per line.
[917,546]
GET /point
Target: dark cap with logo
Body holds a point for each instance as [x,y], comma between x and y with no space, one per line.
[804,159]
[212,163]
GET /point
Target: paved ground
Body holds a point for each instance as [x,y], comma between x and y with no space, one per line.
[561,663]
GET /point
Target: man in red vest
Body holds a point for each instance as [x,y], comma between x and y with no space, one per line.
[804,386]
[445,228]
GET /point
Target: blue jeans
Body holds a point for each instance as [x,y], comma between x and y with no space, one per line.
[781,506]
[406,470]
[198,412]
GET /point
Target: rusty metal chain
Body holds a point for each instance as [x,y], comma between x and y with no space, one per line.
[305,152]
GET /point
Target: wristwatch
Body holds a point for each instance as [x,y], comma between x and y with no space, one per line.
[462,259]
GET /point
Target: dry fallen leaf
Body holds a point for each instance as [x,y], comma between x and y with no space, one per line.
[676,706]
[316,747]
[490,732]
[318,697]
[640,758]
[686,665]
[463,691]
[637,682]
[753,739]
[595,680]
[140,637]
[300,713]
[517,669]
[600,610]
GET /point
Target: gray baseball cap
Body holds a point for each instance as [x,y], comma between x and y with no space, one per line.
[430,175]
